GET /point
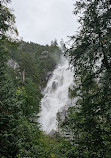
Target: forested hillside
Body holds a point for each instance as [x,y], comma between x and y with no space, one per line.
[25,68]
[36,60]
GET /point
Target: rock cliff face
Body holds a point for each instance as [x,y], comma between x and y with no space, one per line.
[20,75]
[13,64]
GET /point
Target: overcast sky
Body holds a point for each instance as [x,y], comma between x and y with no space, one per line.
[42,21]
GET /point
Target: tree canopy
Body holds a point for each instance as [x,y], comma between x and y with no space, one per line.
[90,119]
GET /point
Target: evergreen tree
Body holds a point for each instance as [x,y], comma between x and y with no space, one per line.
[8,100]
[89,121]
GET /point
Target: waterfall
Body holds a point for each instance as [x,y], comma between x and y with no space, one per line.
[56,95]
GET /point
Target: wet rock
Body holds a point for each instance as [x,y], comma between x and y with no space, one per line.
[54,134]
[49,74]
[63,114]
[54,85]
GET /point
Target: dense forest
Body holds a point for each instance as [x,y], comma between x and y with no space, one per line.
[25,68]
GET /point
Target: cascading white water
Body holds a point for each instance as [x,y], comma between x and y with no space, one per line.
[55,95]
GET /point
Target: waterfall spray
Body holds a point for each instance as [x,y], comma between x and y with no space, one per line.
[55,95]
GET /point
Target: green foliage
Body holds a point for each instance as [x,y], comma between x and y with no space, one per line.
[20,136]
[30,95]
[89,121]
[9,115]
[7,19]
[8,102]
[11,112]
[35,59]
[54,147]
[28,139]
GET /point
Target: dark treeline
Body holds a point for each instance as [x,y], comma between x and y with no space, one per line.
[24,70]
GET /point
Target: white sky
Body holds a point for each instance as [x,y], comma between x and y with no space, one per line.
[42,21]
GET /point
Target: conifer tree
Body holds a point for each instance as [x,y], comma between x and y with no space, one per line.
[8,99]
[90,119]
